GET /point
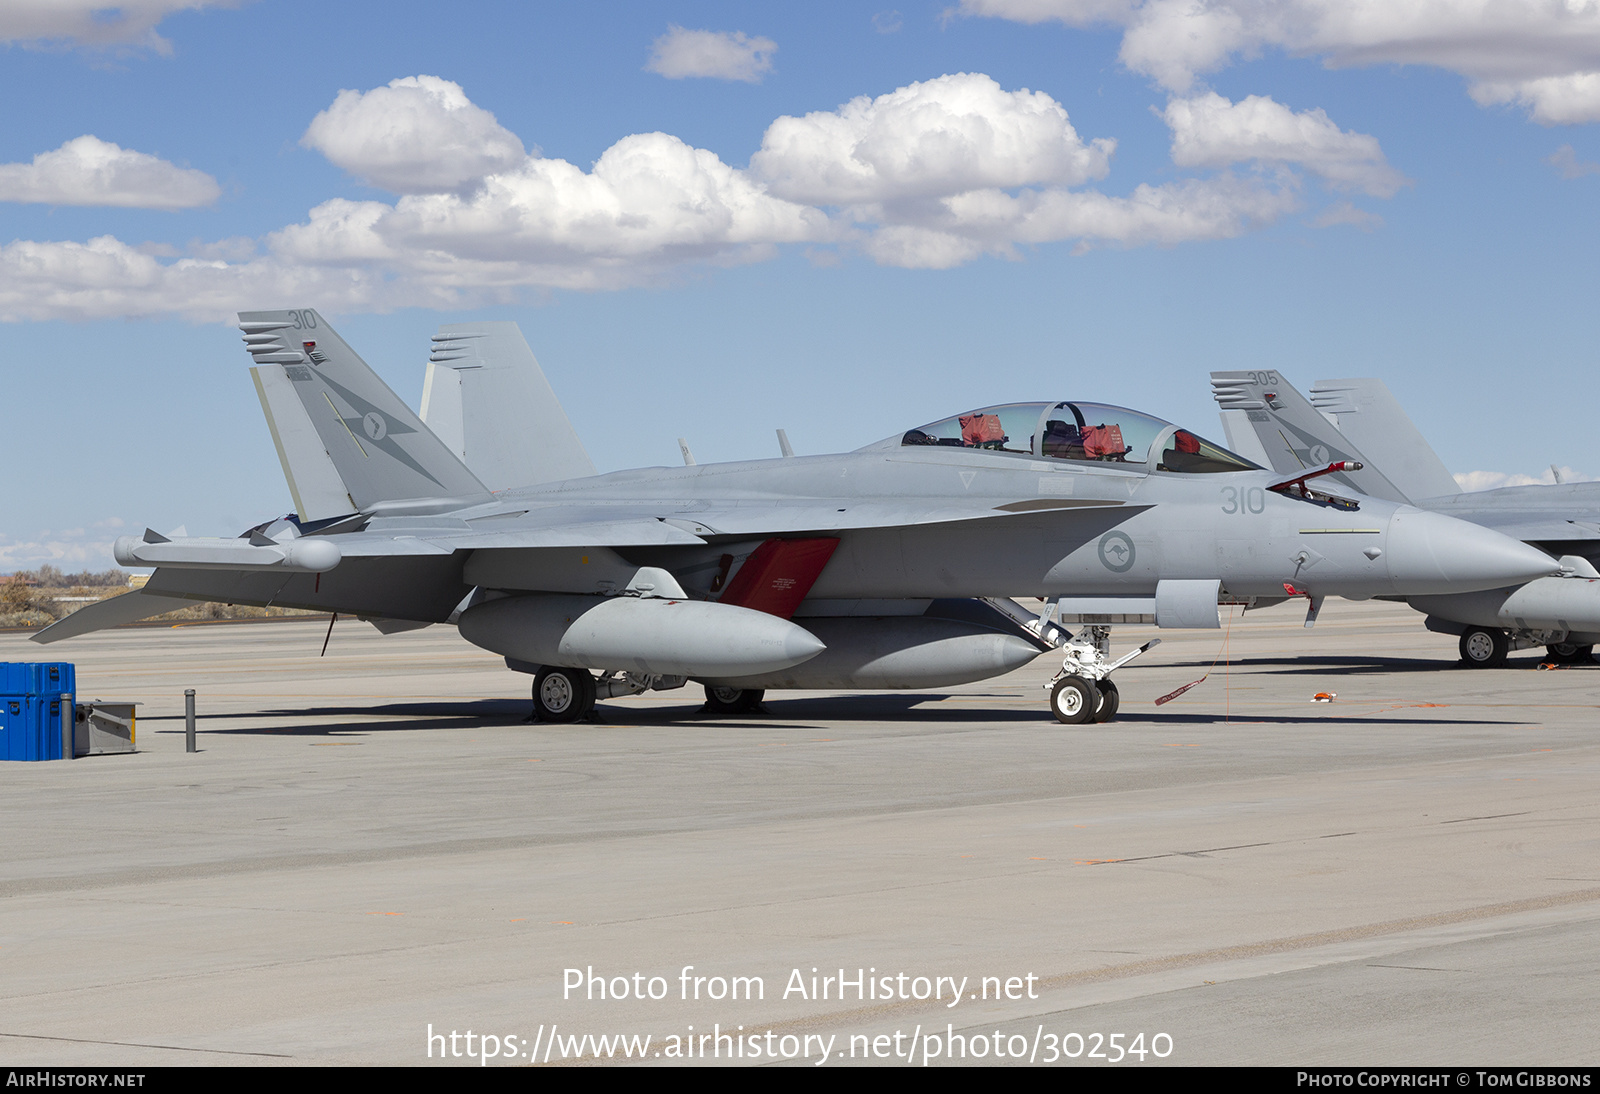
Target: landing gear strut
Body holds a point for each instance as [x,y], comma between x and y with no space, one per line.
[1083,690]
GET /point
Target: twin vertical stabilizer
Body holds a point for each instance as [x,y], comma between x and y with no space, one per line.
[1294,435]
[378,450]
[488,401]
[1371,417]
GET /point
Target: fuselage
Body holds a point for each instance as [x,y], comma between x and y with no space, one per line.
[931,522]
[918,517]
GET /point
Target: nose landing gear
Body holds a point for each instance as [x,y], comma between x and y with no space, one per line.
[1083,690]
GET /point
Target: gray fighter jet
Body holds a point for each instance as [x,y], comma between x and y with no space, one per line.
[888,567]
[1262,414]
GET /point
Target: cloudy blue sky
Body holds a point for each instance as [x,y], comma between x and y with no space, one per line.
[713,220]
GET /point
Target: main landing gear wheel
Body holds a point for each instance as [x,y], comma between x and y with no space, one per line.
[1110,700]
[1568,653]
[1484,647]
[562,695]
[1074,700]
[732,700]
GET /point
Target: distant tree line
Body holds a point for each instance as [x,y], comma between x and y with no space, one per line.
[37,598]
[51,577]
[29,598]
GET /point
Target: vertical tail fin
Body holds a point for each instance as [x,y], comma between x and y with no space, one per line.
[490,403]
[314,482]
[1293,433]
[1372,418]
[379,449]
[1242,438]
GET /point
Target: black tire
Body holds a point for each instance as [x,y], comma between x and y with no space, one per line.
[1484,647]
[720,700]
[1110,700]
[562,695]
[1074,700]
[1568,653]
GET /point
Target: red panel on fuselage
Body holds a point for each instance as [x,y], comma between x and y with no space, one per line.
[778,575]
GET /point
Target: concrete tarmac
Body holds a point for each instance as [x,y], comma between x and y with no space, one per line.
[372,845]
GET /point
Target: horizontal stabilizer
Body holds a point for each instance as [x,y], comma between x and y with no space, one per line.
[129,607]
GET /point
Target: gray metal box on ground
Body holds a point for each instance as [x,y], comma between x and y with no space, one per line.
[103,728]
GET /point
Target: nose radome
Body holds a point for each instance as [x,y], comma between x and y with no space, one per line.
[1431,553]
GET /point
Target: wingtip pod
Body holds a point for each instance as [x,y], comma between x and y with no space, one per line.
[1431,553]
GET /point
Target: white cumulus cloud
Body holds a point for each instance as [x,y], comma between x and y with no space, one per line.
[931,175]
[1344,213]
[106,277]
[723,55]
[92,23]
[70,549]
[1568,165]
[1541,54]
[939,137]
[421,134]
[1473,481]
[1550,100]
[650,201]
[89,171]
[1076,13]
[1210,131]
[938,173]
[994,222]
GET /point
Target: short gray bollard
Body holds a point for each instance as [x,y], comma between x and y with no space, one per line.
[188,719]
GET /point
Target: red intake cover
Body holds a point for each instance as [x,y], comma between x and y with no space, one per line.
[778,575]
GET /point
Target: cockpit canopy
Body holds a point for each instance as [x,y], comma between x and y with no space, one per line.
[1089,432]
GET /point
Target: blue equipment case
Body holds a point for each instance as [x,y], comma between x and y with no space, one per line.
[36,702]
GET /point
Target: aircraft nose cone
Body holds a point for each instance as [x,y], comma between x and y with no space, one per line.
[1431,553]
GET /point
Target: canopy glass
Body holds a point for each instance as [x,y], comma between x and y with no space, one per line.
[1084,432]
